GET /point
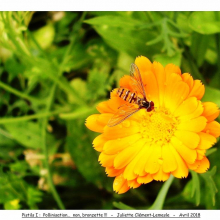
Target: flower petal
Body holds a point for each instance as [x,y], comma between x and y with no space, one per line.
[211,111]
[173,80]
[139,168]
[115,102]
[103,107]
[206,141]
[119,131]
[169,162]
[182,170]
[213,128]
[145,179]
[176,95]
[116,145]
[93,124]
[112,172]
[194,125]
[99,142]
[187,107]
[187,78]
[188,138]
[204,166]
[161,175]
[152,164]
[195,165]
[198,89]
[189,155]
[129,173]
[200,154]
[151,87]
[196,113]
[106,160]
[125,156]
[125,82]
[171,68]
[158,70]
[120,185]
[133,183]
[143,64]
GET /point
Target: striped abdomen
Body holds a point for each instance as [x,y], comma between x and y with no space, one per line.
[127,95]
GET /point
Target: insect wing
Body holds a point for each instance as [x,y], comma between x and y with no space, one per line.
[123,113]
[137,80]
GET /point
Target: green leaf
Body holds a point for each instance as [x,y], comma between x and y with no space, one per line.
[9,149]
[123,67]
[211,189]
[122,206]
[205,22]
[125,41]
[5,139]
[84,156]
[187,192]
[45,36]
[34,196]
[79,85]
[181,21]
[124,38]
[11,187]
[211,151]
[199,47]
[211,95]
[19,167]
[98,84]
[79,58]
[211,56]
[214,159]
[165,59]
[13,67]
[114,21]
[26,133]
[195,187]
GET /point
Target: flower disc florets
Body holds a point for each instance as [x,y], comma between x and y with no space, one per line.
[158,126]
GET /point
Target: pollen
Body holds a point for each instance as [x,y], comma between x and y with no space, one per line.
[159,126]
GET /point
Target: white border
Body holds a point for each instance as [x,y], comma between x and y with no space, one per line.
[109,214]
[109,5]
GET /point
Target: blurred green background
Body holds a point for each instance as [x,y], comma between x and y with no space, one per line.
[55,67]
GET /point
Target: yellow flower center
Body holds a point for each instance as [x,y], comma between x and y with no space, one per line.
[159,126]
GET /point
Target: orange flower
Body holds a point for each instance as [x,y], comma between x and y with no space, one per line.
[171,139]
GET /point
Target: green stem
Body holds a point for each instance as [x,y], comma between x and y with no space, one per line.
[46,154]
[158,203]
[65,86]
[6,134]
[74,38]
[30,117]
[18,93]
[218,57]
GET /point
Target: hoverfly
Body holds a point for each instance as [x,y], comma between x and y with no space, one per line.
[125,111]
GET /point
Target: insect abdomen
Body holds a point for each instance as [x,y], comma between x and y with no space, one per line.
[127,95]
